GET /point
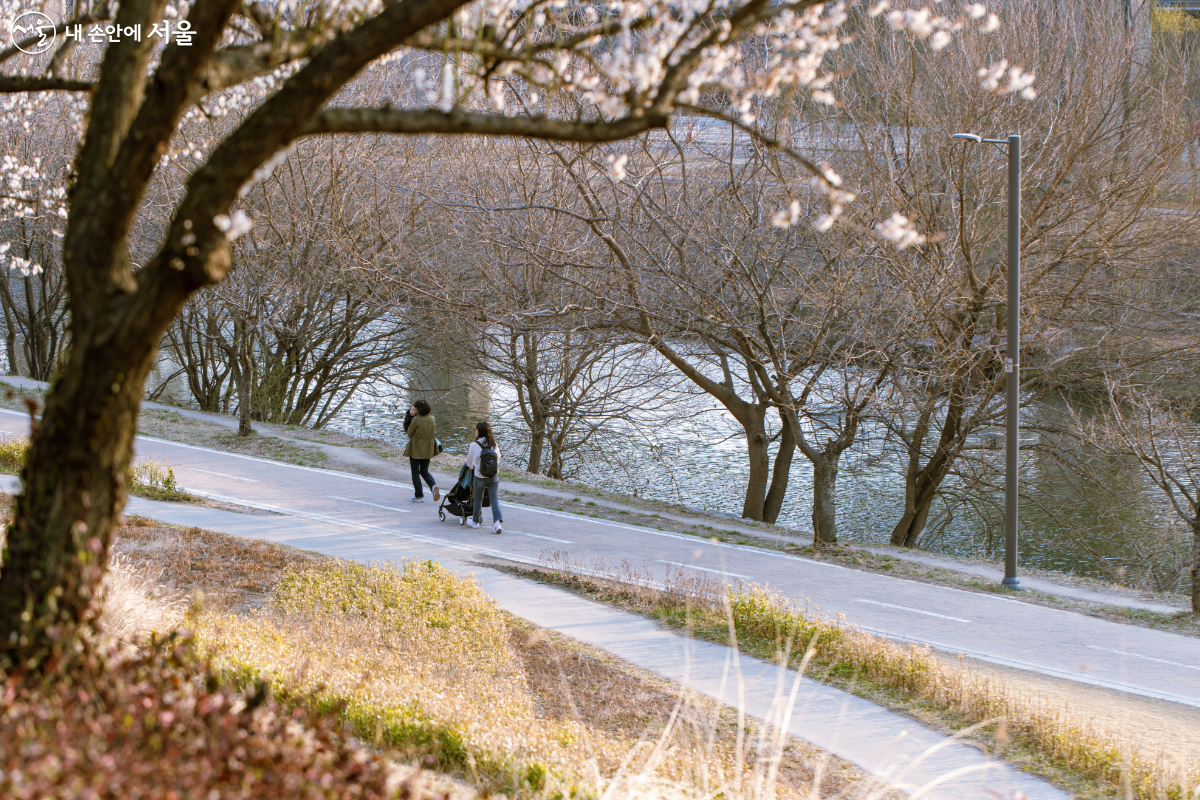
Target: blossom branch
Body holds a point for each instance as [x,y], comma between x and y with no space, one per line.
[458,121]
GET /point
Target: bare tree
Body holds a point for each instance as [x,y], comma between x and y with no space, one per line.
[310,310]
[775,323]
[1162,436]
[1098,150]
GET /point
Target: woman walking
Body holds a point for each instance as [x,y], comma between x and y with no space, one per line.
[484,458]
[421,428]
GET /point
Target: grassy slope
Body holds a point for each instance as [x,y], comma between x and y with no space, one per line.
[421,664]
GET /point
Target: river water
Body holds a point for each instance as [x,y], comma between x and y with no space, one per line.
[698,458]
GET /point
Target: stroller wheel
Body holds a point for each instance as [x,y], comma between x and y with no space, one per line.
[462,520]
[441,515]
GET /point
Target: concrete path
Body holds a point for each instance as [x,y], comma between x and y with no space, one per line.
[890,746]
[358,459]
[998,629]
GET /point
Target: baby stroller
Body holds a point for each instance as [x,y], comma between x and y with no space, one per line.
[460,501]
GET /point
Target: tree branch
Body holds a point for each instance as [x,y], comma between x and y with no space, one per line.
[42,83]
[395,120]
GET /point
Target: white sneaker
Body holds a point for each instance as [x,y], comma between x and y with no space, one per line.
[472,523]
[415,499]
[497,528]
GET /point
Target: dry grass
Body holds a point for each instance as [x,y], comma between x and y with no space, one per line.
[422,661]
[227,572]
[768,623]
[134,607]
[430,668]
[572,681]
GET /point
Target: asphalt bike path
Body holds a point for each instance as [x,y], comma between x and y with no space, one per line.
[998,629]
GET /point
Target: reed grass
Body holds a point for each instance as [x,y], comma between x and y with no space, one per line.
[766,623]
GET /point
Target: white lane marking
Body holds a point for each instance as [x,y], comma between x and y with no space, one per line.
[703,569]
[539,536]
[221,474]
[913,610]
[365,503]
[1144,658]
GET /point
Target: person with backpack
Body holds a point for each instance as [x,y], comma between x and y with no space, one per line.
[421,428]
[484,458]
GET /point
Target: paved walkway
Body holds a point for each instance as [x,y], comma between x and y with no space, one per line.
[997,629]
[359,459]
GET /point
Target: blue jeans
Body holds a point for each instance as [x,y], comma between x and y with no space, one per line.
[492,485]
[420,469]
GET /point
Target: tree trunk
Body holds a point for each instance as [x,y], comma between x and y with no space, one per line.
[907,532]
[781,471]
[240,367]
[244,426]
[760,463]
[824,514]
[1196,567]
[74,489]
[537,441]
[537,433]
[921,485]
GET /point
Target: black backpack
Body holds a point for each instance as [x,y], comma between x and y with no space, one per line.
[488,463]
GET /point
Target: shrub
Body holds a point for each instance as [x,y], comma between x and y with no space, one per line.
[158,725]
[151,480]
[12,453]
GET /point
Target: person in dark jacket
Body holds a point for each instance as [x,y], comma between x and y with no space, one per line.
[421,428]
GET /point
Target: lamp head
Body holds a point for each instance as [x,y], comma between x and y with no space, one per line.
[969,136]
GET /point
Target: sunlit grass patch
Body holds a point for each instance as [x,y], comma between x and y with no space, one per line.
[767,624]
[156,481]
[12,453]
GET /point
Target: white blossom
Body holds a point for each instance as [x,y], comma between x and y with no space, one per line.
[234,226]
[616,167]
[899,231]
[787,217]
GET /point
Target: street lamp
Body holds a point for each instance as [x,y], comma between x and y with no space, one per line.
[1011,147]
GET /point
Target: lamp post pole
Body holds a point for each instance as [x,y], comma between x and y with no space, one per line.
[1011,147]
[1012,365]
